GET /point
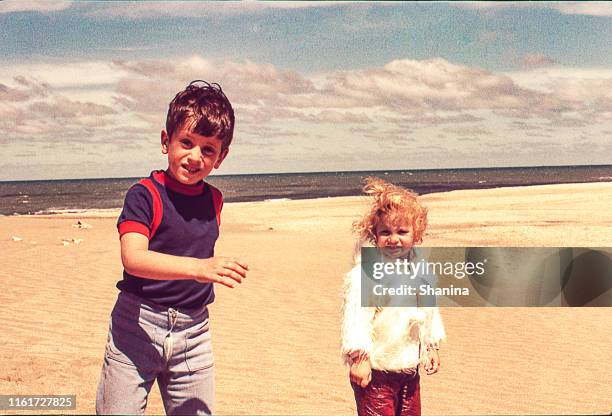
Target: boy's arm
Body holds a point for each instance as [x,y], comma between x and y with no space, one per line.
[139,261]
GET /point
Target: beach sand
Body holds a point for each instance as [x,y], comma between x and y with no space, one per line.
[276,337]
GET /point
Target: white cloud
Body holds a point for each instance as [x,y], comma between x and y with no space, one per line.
[100,104]
[412,87]
[63,108]
[429,91]
[83,80]
[42,6]
[591,8]
[156,9]
[586,93]
[532,60]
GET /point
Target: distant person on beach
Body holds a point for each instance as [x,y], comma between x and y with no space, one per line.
[383,346]
[159,327]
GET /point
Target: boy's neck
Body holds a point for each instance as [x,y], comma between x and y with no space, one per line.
[166,179]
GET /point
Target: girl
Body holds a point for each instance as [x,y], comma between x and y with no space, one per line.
[384,345]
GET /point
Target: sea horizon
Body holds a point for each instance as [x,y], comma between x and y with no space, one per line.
[50,196]
[213,175]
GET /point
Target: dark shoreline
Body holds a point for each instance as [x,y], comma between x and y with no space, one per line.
[41,197]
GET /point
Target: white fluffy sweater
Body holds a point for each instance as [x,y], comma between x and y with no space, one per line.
[392,336]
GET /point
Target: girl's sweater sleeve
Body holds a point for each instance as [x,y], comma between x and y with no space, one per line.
[433,331]
[433,328]
[356,320]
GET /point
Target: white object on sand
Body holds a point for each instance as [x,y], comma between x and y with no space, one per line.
[15,238]
[80,224]
[68,241]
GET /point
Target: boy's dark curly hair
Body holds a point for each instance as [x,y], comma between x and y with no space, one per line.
[205,108]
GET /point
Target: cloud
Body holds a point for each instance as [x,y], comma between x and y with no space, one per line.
[411,92]
[250,82]
[524,126]
[414,88]
[532,60]
[265,133]
[190,9]
[99,104]
[64,108]
[8,94]
[425,92]
[78,77]
[42,6]
[150,69]
[590,8]
[434,118]
[493,5]
[33,109]
[467,131]
[579,93]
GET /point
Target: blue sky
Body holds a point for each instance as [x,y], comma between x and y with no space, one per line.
[84,86]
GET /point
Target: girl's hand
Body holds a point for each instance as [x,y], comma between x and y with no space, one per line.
[431,363]
[361,373]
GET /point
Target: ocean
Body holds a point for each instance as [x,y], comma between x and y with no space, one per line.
[75,195]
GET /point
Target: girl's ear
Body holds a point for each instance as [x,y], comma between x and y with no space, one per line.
[165,142]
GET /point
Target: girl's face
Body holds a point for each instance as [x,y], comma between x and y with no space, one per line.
[394,237]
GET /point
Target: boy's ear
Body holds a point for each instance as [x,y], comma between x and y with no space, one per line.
[221,157]
[165,141]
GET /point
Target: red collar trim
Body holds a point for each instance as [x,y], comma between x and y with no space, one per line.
[168,182]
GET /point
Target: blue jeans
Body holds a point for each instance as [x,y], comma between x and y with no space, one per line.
[149,342]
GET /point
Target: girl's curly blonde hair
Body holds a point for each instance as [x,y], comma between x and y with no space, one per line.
[394,203]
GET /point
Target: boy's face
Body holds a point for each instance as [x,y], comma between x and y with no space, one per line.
[394,237]
[191,157]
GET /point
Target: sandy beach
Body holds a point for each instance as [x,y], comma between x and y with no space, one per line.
[276,338]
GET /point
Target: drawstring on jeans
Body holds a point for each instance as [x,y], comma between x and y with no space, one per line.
[169,340]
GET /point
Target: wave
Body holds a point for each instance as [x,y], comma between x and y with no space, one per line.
[104,212]
[277,200]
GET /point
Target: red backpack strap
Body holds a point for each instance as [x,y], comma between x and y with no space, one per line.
[158,208]
[217,197]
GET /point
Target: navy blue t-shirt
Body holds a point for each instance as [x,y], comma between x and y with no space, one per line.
[183,221]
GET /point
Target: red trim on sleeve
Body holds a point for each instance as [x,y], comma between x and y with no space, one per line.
[158,207]
[133,227]
[217,197]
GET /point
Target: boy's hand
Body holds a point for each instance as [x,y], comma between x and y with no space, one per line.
[226,271]
[361,373]
[431,363]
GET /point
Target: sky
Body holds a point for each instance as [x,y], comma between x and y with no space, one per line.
[333,86]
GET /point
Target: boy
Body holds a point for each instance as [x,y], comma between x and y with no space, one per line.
[168,228]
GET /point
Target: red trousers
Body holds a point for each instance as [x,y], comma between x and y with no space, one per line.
[389,394]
